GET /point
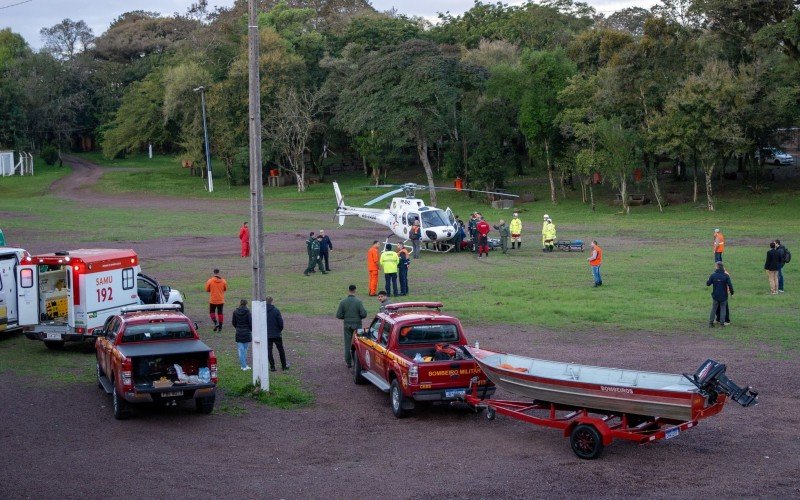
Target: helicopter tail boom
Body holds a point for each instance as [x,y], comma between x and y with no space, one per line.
[339,203]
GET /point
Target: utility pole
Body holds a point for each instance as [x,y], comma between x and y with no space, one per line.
[202,91]
[259,304]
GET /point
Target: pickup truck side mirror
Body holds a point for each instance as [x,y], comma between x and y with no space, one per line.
[360,332]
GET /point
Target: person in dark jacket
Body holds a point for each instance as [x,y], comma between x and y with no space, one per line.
[782,259]
[772,265]
[351,311]
[722,284]
[274,329]
[325,247]
[243,323]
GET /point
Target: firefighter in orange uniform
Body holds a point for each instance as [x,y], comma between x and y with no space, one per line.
[373,267]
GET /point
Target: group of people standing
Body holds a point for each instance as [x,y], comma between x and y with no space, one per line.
[777,256]
[394,264]
[318,247]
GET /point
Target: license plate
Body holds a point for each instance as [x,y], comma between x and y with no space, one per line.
[173,394]
[452,393]
[53,336]
[672,433]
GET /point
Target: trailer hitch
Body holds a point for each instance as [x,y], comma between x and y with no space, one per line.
[710,378]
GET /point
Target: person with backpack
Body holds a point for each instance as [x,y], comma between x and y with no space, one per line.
[784,256]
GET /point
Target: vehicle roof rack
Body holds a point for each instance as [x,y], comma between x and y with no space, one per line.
[150,308]
[414,305]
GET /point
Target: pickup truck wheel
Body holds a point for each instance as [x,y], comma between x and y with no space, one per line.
[204,405]
[357,377]
[396,395]
[54,345]
[121,411]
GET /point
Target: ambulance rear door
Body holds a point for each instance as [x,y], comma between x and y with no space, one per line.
[27,295]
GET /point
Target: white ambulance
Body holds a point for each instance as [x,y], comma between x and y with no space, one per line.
[65,296]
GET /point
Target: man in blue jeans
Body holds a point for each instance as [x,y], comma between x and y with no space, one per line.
[722,283]
[243,323]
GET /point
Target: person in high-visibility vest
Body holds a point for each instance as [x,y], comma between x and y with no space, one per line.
[549,235]
[515,228]
[594,261]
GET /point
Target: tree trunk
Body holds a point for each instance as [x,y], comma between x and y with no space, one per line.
[364,163]
[694,181]
[561,181]
[422,151]
[465,156]
[550,173]
[583,190]
[709,173]
[623,191]
[657,193]
[591,196]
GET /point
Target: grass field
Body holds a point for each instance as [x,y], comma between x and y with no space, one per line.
[654,270]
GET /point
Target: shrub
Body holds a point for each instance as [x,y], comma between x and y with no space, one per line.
[50,155]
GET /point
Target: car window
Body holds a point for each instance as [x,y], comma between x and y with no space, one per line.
[148,294]
[112,327]
[387,330]
[157,331]
[428,334]
[374,329]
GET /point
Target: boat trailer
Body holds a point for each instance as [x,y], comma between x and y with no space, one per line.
[591,430]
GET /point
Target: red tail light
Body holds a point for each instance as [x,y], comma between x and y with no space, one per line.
[212,366]
[126,375]
[413,375]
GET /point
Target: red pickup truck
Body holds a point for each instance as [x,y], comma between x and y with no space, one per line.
[153,354]
[414,352]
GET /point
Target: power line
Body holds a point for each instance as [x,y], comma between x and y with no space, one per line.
[14,4]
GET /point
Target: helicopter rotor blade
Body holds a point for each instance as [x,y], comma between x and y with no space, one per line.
[479,191]
[382,197]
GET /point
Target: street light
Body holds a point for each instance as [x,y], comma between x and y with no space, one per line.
[202,91]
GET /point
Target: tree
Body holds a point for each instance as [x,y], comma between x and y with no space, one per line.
[620,154]
[67,39]
[404,92]
[289,126]
[701,119]
[544,75]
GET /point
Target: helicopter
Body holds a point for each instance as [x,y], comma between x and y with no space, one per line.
[437,226]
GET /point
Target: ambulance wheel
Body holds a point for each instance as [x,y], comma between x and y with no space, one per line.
[357,377]
[54,345]
[586,441]
[396,395]
[121,411]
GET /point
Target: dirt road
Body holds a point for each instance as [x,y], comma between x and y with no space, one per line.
[62,442]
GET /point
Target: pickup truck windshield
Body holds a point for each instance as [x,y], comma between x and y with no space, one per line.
[428,334]
[157,331]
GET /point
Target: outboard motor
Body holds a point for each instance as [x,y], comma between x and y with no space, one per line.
[711,380]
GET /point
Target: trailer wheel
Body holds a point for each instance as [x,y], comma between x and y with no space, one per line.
[491,414]
[358,379]
[586,442]
[121,411]
[54,345]
[396,395]
[204,405]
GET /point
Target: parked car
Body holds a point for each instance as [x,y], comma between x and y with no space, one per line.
[774,156]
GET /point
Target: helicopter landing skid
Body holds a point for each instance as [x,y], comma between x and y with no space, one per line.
[439,247]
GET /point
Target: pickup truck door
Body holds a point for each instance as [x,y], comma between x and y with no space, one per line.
[105,344]
[372,348]
[28,295]
[382,351]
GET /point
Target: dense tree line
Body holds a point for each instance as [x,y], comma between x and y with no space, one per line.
[549,86]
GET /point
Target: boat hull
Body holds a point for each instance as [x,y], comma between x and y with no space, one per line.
[581,386]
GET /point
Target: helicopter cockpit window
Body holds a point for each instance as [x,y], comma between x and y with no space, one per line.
[412,218]
[434,218]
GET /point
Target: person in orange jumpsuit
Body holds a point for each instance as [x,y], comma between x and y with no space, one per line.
[373,268]
[244,236]
[719,245]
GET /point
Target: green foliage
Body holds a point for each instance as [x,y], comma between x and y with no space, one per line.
[49,154]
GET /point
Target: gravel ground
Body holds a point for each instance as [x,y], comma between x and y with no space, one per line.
[62,442]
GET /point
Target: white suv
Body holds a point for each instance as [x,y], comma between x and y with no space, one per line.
[775,156]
